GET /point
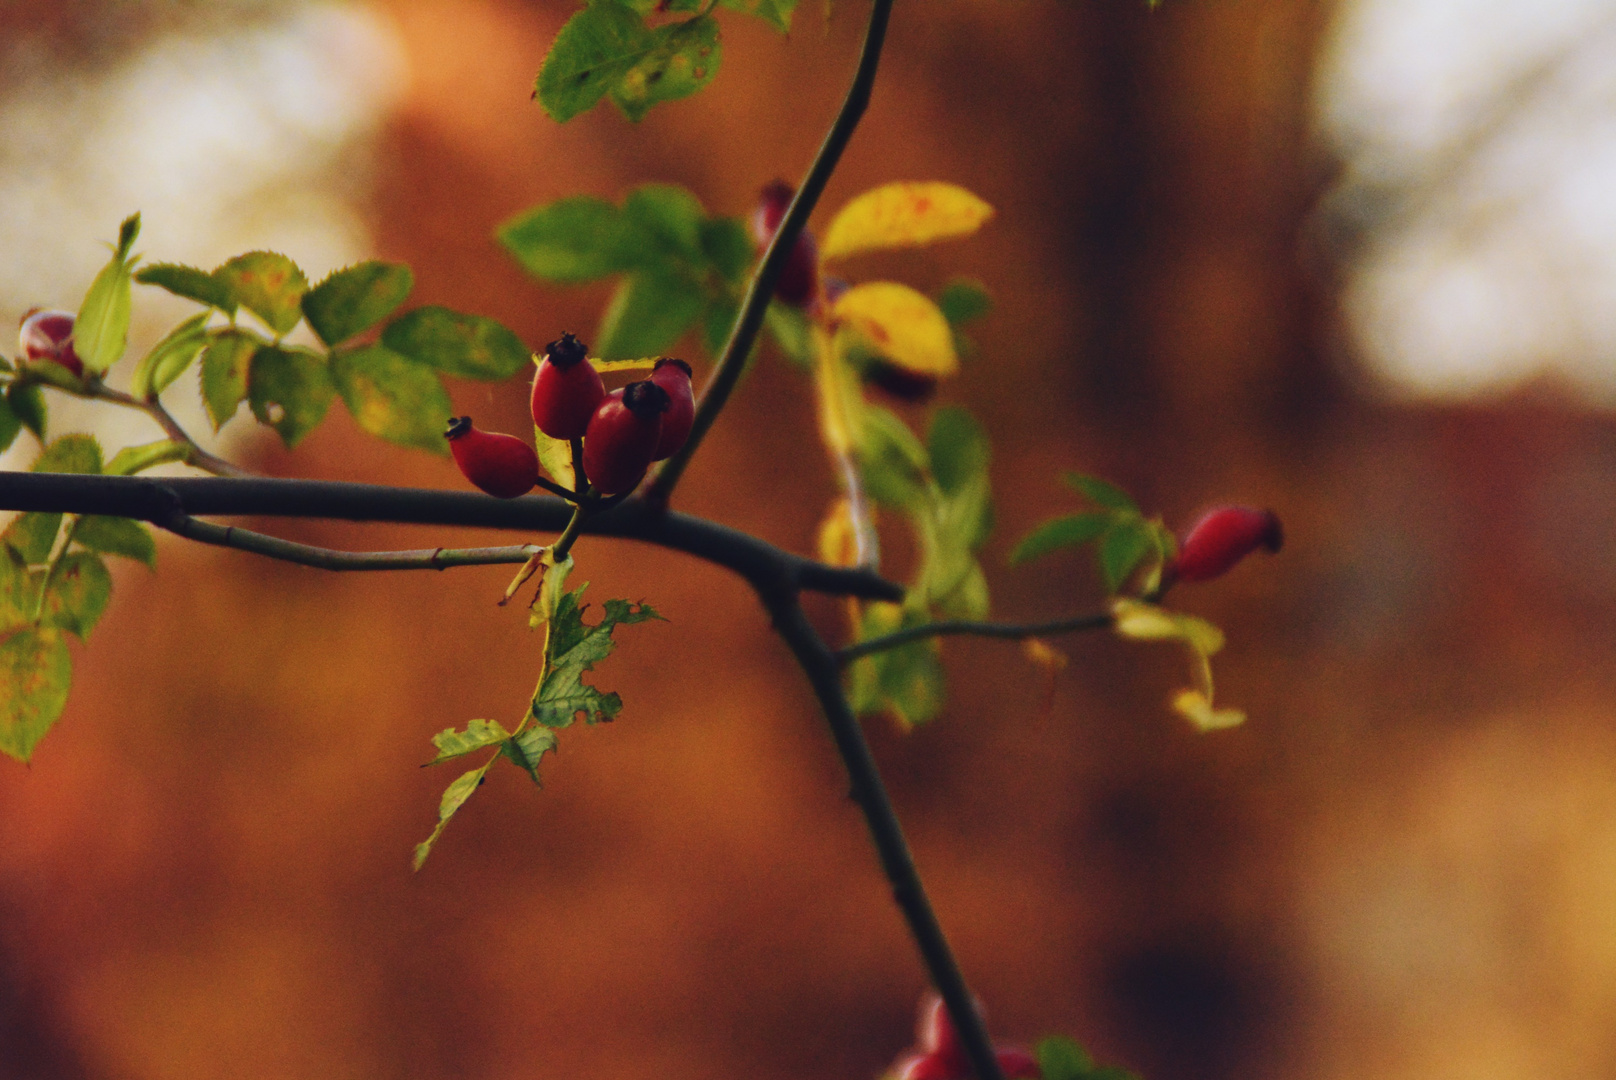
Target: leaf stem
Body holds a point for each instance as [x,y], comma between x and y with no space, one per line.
[273,547]
[564,542]
[758,292]
[1097,620]
[195,455]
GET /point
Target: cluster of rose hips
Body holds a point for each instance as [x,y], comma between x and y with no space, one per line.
[623,431]
[47,337]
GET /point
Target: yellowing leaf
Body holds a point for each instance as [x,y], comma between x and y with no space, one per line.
[905,214]
[838,545]
[841,404]
[1193,706]
[1147,622]
[903,325]
[645,363]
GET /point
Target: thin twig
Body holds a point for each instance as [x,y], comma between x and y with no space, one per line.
[1097,620]
[274,547]
[195,455]
[758,292]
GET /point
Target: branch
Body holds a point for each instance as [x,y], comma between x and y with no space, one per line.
[329,559]
[1098,620]
[195,455]
[761,289]
[824,673]
[770,570]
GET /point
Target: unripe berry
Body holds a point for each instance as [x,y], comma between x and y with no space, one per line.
[674,377]
[502,465]
[799,278]
[1224,536]
[566,389]
[48,335]
[623,435]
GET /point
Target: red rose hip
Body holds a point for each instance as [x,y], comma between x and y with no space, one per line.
[566,389]
[623,435]
[502,465]
[1224,536]
[798,282]
[48,336]
[674,377]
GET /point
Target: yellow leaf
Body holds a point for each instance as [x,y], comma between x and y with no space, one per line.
[1147,622]
[906,214]
[840,402]
[903,325]
[645,363]
[838,546]
[1193,706]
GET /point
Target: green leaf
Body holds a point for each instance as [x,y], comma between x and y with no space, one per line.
[133,459]
[354,299]
[892,461]
[458,344]
[593,52]
[668,220]
[27,403]
[1068,531]
[203,286]
[1059,1058]
[289,389]
[792,332]
[478,735]
[76,593]
[35,671]
[170,357]
[1099,491]
[959,449]
[777,13]
[269,285]
[10,425]
[392,398]
[454,797]
[679,59]
[963,300]
[1121,549]
[101,331]
[576,239]
[117,536]
[717,322]
[728,247]
[32,535]
[225,363]
[19,594]
[906,682]
[648,314]
[574,647]
[526,749]
[70,454]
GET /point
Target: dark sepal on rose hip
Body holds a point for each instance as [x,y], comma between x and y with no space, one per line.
[47,336]
[623,435]
[674,377]
[566,389]
[1223,536]
[502,465]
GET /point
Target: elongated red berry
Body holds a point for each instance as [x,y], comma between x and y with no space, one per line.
[566,389]
[623,435]
[502,465]
[798,282]
[941,1056]
[674,377]
[48,335]
[1224,536]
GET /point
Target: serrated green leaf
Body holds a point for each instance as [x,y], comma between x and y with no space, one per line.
[454,797]
[117,536]
[649,313]
[478,735]
[134,459]
[32,535]
[170,357]
[225,363]
[677,61]
[352,300]
[70,454]
[35,671]
[525,750]
[290,390]
[790,329]
[727,245]
[203,286]
[27,403]
[1059,1058]
[1122,547]
[596,48]
[470,346]
[893,461]
[777,13]
[76,593]
[101,331]
[1100,492]
[1069,531]
[576,239]
[574,647]
[10,425]
[269,285]
[963,300]
[393,398]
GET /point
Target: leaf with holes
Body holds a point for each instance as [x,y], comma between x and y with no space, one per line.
[290,390]
[225,363]
[574,647]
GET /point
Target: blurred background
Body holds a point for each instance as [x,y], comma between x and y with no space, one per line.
[1354,261]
